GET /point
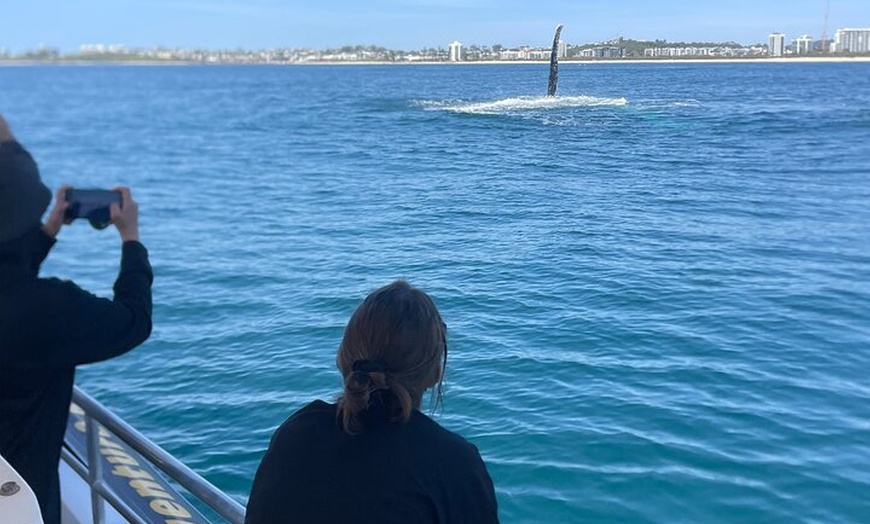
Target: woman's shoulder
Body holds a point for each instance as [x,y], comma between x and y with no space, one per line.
[435,435]
[317,424]
[461,474]
[316,408]
[316,414]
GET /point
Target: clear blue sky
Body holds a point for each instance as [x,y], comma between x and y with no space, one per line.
[407,24]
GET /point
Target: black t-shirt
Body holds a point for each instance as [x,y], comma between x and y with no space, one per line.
[419,472]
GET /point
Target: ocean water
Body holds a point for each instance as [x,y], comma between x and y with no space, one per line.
[657,284]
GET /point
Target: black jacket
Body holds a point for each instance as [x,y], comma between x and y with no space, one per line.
[416,472]
[48,327]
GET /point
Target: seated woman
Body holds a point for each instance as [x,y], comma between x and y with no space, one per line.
[373,456]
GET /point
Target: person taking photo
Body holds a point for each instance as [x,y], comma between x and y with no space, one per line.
[49,326]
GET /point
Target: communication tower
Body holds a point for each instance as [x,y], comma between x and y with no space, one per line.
[825,28]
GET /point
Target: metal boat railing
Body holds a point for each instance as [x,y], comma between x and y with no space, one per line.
[200,488]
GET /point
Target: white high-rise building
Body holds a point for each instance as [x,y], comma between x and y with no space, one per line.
[851,41]
[803,45]
[776,44]
[562,49]
[455,52]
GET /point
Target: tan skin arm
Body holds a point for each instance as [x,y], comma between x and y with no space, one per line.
[55,219]
[126,216]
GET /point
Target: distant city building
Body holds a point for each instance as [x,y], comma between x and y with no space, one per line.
[563,49]
[851,41]
[514,54]
[524,53]
[103,49]
[455,52]
[603,52]
[776,44]
[802,45]
[691,51]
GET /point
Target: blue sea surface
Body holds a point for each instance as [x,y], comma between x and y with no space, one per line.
[656,284]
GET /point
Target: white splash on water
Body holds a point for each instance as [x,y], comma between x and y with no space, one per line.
[521,104]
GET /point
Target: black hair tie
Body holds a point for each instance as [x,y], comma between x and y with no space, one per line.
[369,366]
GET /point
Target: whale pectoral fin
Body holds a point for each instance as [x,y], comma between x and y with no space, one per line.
[554,63]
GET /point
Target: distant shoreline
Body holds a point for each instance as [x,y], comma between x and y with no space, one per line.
[764,60]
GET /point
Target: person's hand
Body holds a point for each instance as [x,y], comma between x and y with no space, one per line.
[5,133]
[56,216]
[126,216]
